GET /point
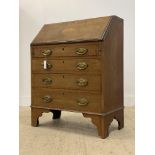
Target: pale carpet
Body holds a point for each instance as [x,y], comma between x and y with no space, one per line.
[74,135]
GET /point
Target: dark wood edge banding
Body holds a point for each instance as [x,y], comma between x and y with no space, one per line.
[94,113]
[66,42]
[94,57]
[103,35]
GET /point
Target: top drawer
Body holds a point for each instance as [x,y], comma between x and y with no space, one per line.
[80,49]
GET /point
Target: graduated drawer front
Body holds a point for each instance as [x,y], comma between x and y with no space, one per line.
[67,66]
[67,81]
[86,49]
[71,100]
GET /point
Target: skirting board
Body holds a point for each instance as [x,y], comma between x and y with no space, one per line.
[129,100]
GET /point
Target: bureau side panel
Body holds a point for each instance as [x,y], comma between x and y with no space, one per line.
[112,64]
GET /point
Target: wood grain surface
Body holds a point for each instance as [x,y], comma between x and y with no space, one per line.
[68,65]
[65,50]
[62,99]
[67,81]
[81,30]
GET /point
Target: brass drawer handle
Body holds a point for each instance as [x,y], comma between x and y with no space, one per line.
[47,99]
[47,80]
[82,82]
[82,65]
[46,52]
[48,65]
[82,101]
[81,51]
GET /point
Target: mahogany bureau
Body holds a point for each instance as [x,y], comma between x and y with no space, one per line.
[78,66]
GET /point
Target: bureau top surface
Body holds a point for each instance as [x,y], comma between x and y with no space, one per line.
[73,31]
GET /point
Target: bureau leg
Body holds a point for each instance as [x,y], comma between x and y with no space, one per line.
[56,114]
[119,116]
[35,114]
[103,127]
[34,121]
[106,121]
[103,122]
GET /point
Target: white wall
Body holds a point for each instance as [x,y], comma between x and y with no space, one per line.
[35,13]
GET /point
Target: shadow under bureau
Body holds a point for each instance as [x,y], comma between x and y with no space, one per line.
[78,66]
